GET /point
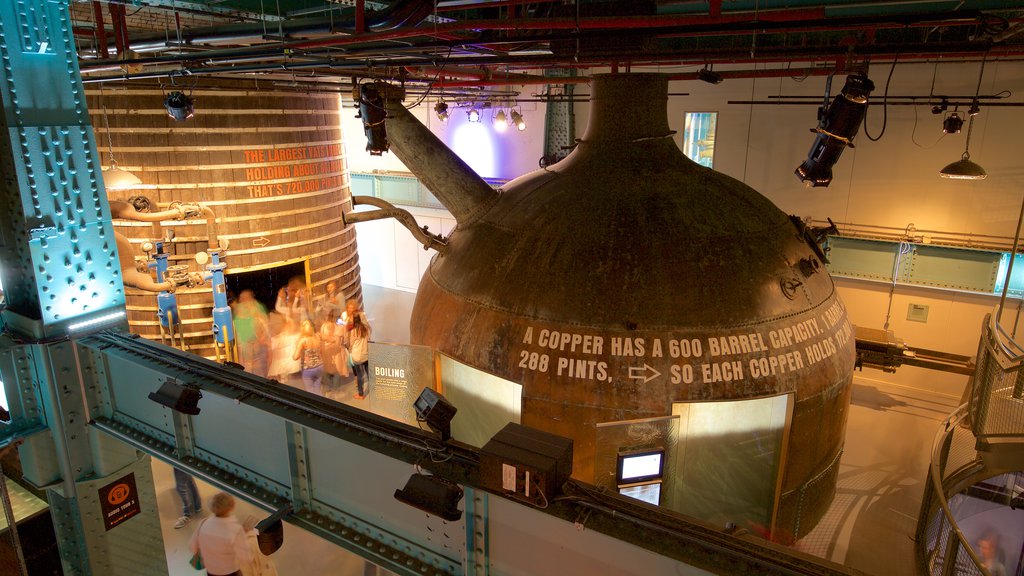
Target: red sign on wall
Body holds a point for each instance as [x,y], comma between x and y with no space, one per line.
[119,501]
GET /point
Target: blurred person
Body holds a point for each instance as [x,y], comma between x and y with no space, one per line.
[991,554]
[331,346]
[252,333]
[333,302]
[284,335]
[191,503]
[220,540]
[357,342]
[293,300]
[307,351]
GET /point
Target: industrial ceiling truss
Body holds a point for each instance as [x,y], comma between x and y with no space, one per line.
[466,44]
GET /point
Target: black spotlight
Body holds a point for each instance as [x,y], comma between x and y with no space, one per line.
[441,109]
[436,411]
[270,531]
[179,106]
[707,75]
[836,129]
[953,123]
[184,399]
[372,112]
[433,495]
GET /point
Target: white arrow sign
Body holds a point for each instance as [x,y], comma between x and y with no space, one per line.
[638,373]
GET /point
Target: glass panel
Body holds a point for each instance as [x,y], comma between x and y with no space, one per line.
[650,493]
[485,402]
[699,137]
[727,463]
[634,437]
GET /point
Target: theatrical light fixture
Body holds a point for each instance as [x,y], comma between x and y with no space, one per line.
[473,115]
[707,75]
[370,98]
[115,178]
[433,495]
[517,119]
[184,399]
[974,109]
[436,411]
[270,531]
[442,111]
[500,121]
[940,107]
[179,106]
[836,129]
[953,123]
[964,169]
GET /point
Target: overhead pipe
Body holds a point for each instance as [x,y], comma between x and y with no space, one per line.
[775,25]
[400,14]
[769,22]
[465,194]
[388,210]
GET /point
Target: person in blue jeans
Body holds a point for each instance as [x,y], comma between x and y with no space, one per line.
[191,503]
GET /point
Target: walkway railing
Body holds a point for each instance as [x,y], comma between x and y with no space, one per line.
[967,450]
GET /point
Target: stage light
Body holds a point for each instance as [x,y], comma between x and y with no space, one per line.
[518,120]
[372,112]
[436,411]
[442,111]
[836,129]
[270,531]
[184,399]
[433,495]
[953,123]
[179,106]
[500,121]
[974,109]
[709,76]
[473,115]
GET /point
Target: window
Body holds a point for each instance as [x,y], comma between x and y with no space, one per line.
[699,137]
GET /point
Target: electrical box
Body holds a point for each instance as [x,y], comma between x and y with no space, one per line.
[526,464]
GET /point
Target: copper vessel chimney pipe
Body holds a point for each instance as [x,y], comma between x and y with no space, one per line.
[465,194]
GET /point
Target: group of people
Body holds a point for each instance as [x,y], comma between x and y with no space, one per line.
[296,343]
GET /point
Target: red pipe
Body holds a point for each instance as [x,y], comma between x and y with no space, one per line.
[510,82]
[495,4]
[101,30]
[117,18]
[597,23]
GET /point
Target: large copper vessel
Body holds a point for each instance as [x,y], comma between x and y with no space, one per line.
[626,278]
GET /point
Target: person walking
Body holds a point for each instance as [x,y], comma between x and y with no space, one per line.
[191,503]
[357,339]
[220,540]
[307,351]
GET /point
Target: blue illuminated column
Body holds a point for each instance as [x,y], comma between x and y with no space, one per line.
[60,272]
[223,329]
[167,302]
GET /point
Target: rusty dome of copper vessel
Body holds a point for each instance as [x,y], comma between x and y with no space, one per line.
[627,278]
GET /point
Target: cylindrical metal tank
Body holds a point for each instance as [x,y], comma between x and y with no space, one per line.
[269,163]
[627,278]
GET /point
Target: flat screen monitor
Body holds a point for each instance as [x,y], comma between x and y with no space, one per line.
[641,466]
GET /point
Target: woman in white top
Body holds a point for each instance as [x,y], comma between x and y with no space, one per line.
[220,539]
[357,340]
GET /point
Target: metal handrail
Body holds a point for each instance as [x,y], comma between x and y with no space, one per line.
[949,426]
